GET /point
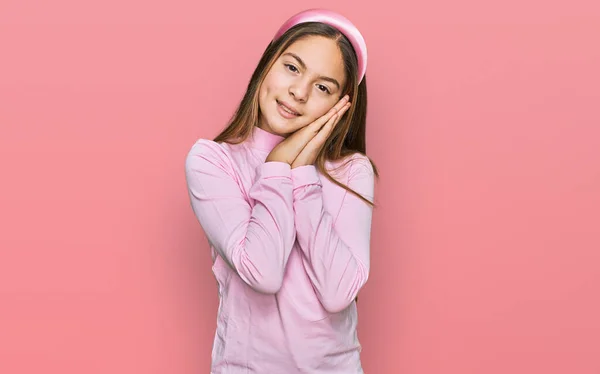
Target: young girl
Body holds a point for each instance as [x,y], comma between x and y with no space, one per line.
[284,195]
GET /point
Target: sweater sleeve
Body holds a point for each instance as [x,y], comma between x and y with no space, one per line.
[255,241]
[335,250]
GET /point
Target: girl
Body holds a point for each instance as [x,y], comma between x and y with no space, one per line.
[284,195]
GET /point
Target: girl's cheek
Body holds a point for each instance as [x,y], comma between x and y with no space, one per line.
[279,78]
[324,109]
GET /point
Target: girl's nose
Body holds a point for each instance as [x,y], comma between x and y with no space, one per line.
[299,91]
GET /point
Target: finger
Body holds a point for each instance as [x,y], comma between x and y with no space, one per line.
[319,139]
[303,136]
[327,128]
[341,113]
[320,122]
[314,145]
[345,109]
[342,103]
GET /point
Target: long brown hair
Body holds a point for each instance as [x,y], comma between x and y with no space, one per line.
[349,135]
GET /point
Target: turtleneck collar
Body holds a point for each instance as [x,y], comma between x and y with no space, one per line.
[264,140]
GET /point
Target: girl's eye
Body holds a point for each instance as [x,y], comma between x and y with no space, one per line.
[323,88]
[291,67]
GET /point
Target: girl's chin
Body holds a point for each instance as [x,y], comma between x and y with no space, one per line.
[275,129]
[285,128]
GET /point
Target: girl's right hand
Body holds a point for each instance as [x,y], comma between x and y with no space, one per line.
[290,148]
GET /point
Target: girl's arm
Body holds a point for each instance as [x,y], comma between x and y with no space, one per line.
[335,249]
[255,241]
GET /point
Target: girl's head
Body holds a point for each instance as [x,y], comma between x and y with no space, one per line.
[309,77]
[308,69]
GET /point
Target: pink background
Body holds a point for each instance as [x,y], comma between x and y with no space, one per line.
[483,118]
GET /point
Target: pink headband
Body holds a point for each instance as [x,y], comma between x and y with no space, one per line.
[339,22]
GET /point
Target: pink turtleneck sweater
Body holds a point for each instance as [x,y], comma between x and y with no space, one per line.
[290,252]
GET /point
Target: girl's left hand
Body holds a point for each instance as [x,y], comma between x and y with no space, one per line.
[309,153]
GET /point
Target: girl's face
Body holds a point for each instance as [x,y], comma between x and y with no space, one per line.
[306,79]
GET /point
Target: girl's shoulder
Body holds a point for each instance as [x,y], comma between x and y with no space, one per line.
[349,165]
[207,147]
[206,151]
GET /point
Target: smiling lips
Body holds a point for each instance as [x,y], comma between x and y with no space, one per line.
[286,110]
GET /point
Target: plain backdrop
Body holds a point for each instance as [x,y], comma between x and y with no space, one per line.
[483,119]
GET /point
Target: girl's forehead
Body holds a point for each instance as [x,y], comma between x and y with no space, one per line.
[319,55]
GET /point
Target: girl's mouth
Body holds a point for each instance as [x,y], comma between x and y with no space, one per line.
[287,111]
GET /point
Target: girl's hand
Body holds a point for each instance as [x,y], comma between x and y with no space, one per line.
[309,153]
[288,150]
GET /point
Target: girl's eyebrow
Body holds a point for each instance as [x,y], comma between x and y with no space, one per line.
[303,65]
